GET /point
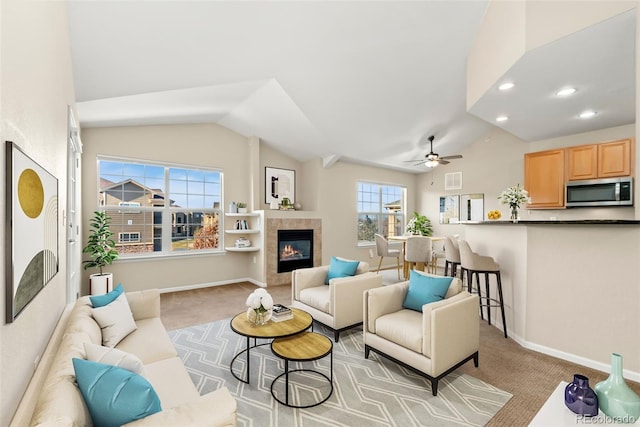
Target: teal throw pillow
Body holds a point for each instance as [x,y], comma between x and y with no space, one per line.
[341,268]
[106,299]
[425,289]
[114,395]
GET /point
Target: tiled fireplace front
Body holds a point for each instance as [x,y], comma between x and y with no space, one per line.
[271,245]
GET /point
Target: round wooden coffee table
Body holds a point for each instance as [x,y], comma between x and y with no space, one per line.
[241,325]
[303,347]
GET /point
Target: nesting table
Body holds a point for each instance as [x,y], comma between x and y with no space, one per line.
[302,347]
[241,325]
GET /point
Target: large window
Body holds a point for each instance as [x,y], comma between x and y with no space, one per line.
[160,208]
[379,211]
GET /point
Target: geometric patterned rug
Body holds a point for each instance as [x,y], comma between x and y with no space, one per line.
[372,392]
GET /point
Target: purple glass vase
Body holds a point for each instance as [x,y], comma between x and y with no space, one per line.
[580,398]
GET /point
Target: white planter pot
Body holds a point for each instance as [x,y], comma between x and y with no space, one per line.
[100,284]
[242,210]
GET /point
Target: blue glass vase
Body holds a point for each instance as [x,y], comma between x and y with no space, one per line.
[616,399]
[580,398]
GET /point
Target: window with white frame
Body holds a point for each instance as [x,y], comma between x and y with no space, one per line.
[160,209]
[380,210]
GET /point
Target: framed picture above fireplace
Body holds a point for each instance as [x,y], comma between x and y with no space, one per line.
[278,184]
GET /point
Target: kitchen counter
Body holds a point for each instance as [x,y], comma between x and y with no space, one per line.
[557,222]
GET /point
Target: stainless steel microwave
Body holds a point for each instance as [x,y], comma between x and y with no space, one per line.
[600,192]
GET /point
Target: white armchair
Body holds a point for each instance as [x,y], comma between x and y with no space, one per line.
[433,343]
[337,305]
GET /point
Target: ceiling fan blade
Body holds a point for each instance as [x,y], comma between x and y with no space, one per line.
[443,162]
[415,160]
[456,156]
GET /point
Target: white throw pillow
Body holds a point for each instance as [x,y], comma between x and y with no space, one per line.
[115,320]
[115,357]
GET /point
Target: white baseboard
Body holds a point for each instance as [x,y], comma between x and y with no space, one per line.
[211,284]
[569,357]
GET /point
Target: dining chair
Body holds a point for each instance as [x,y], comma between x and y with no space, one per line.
[452,256]
[418,252]
[383,250]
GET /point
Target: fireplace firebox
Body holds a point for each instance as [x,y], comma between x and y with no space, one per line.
[295,249]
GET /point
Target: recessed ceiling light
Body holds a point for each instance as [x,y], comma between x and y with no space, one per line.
[506,86]
[566,91]
[587,114]
[502,118]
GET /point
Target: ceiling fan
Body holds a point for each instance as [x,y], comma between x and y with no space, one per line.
[432,159]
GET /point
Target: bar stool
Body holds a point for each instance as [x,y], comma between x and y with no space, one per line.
[476,264]
[452,256]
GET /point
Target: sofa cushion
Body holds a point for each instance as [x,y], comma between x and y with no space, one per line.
[339,267]
[115,320]
[172,382]
[317,297]
[402,327]
[115,357]
[149,341]
[108,298]
[114,395]
[425,289]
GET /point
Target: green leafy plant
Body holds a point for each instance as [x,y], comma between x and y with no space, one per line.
[241,205]
[420,224]
[100,246]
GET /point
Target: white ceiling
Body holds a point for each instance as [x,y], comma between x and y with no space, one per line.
[362,81]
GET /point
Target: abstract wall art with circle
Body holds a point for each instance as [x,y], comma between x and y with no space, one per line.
[32,235]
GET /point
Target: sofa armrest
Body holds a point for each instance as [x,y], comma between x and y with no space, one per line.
[453,330]
[215,409]
[144,304]
[380,301]
[307,278]
[345,294]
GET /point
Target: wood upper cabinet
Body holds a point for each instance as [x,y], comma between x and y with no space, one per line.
[605,160]
[614,158]
[544,178]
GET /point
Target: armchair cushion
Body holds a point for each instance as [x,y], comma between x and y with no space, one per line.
[425,289]
[318,297]
[402,327]
[341,268]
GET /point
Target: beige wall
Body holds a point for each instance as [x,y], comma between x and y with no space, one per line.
[36,89]
[205,145]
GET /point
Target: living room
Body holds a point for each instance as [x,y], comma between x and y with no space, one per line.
[35,116]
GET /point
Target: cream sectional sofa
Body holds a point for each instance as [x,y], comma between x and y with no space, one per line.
[60,401]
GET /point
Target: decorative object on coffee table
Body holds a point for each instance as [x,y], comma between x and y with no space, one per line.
[260,304]
[615,397]
[581,398]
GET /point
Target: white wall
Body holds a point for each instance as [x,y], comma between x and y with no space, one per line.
[35,91]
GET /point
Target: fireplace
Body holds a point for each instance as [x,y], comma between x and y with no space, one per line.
[295,249]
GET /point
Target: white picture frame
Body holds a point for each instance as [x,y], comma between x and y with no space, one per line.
[278,184]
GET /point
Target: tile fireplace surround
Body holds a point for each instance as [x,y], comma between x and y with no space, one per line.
[272,226]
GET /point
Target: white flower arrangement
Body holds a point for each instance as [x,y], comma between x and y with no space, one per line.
[260,301]
[514,196]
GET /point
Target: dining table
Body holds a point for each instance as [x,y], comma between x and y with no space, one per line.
[406,264]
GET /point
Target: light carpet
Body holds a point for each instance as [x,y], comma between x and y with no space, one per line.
[367,392]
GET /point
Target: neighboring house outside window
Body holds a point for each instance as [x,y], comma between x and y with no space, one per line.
[160,208]
[380,210]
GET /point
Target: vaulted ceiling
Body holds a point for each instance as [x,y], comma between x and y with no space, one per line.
[362,81]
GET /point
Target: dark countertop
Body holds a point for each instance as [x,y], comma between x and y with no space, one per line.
[557,222]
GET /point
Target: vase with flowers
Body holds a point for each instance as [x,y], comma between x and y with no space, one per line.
[514,196]
[260,306]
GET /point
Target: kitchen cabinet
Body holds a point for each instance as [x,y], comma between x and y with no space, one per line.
[605,160]
[544,178]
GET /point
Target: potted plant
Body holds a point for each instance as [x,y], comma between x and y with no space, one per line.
[102,249]
[242,207]
[420,225]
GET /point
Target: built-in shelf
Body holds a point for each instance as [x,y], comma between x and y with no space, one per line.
[247,249]
[247,231]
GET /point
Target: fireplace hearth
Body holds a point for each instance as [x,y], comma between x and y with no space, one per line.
[295,249]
